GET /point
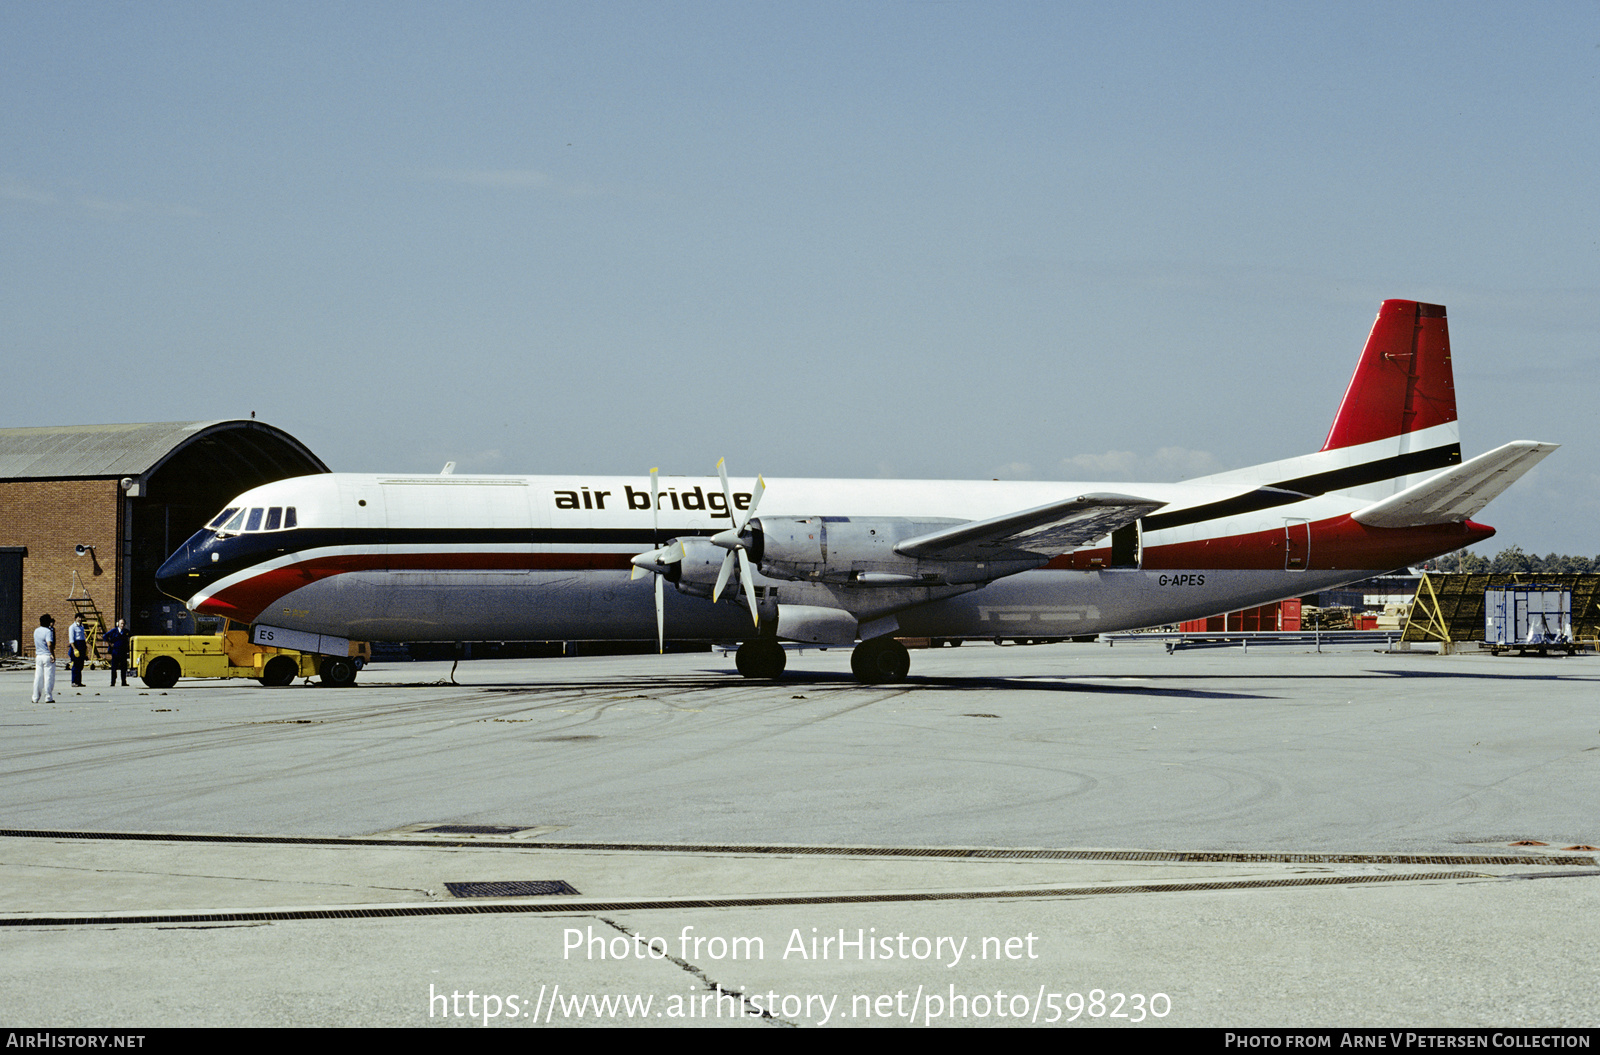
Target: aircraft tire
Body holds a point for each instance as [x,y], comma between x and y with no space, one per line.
[880,661]
[761,659]
[337,672]
[279,671]
[161,673]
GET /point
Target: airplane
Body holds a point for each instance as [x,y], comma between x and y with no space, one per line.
[314,561]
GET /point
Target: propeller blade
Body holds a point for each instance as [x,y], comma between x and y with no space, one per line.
[727,496]
[749,581]
[661,616]
[722,576]
[755,500]
[727,493]
[655,507]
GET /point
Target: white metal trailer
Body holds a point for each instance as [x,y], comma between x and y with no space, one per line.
[1528,617]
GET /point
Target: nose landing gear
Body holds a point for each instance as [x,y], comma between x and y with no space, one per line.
[761,658]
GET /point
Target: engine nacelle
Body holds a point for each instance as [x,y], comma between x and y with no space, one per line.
[697,573]
[860,551]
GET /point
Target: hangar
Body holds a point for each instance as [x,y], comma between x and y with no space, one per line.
[88,512]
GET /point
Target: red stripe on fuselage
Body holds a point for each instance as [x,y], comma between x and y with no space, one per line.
[1338,543]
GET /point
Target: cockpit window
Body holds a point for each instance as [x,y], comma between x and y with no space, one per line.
[234,519]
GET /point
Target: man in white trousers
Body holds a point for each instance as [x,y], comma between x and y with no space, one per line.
[44,660]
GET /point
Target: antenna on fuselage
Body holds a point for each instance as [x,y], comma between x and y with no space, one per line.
[449,469]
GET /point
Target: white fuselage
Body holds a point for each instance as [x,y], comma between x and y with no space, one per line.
[427,558]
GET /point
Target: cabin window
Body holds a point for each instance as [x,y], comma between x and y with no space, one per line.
[254,523]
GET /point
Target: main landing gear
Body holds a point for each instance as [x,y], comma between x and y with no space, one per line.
[880,660]
[875,662]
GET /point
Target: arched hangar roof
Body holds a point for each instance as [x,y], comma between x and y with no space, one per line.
[247,452]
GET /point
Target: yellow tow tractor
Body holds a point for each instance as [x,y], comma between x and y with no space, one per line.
[160,660]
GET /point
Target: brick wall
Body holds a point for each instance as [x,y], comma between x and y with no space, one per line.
[50,518]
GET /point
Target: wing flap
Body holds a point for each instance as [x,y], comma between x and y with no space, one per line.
[1458,493]
[1044,531]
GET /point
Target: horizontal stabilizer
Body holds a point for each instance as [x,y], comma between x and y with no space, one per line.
[1458,493]
[1044,531]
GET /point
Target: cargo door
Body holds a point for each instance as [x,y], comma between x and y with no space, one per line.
[1296,545]
[1494,616]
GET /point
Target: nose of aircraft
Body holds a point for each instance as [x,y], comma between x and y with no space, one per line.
[180,574]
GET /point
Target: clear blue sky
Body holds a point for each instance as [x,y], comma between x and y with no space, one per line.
[1134,241]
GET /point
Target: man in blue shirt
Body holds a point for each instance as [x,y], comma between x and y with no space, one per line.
[78,649]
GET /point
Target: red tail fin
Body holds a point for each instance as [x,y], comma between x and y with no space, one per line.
[1403,382]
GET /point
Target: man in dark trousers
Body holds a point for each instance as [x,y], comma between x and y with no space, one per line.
[116,640]
[78,648]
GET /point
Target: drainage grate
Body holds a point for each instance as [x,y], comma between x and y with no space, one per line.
[446,833]
[511,888]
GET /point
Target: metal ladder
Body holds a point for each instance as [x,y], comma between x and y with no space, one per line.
[94,622]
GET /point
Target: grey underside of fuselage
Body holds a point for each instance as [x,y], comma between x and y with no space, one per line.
[606,605]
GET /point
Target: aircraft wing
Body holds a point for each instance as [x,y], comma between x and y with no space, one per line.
[1044,531]
[1458,493]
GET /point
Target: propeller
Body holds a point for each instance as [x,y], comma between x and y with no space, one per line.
[736,542]
[662,561]
[658,561]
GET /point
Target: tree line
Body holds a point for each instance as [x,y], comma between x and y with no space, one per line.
[1509,560]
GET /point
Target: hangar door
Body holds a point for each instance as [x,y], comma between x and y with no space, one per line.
[11,598]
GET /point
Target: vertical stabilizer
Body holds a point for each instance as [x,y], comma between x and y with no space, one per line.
[1403,383]
[1402,400]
